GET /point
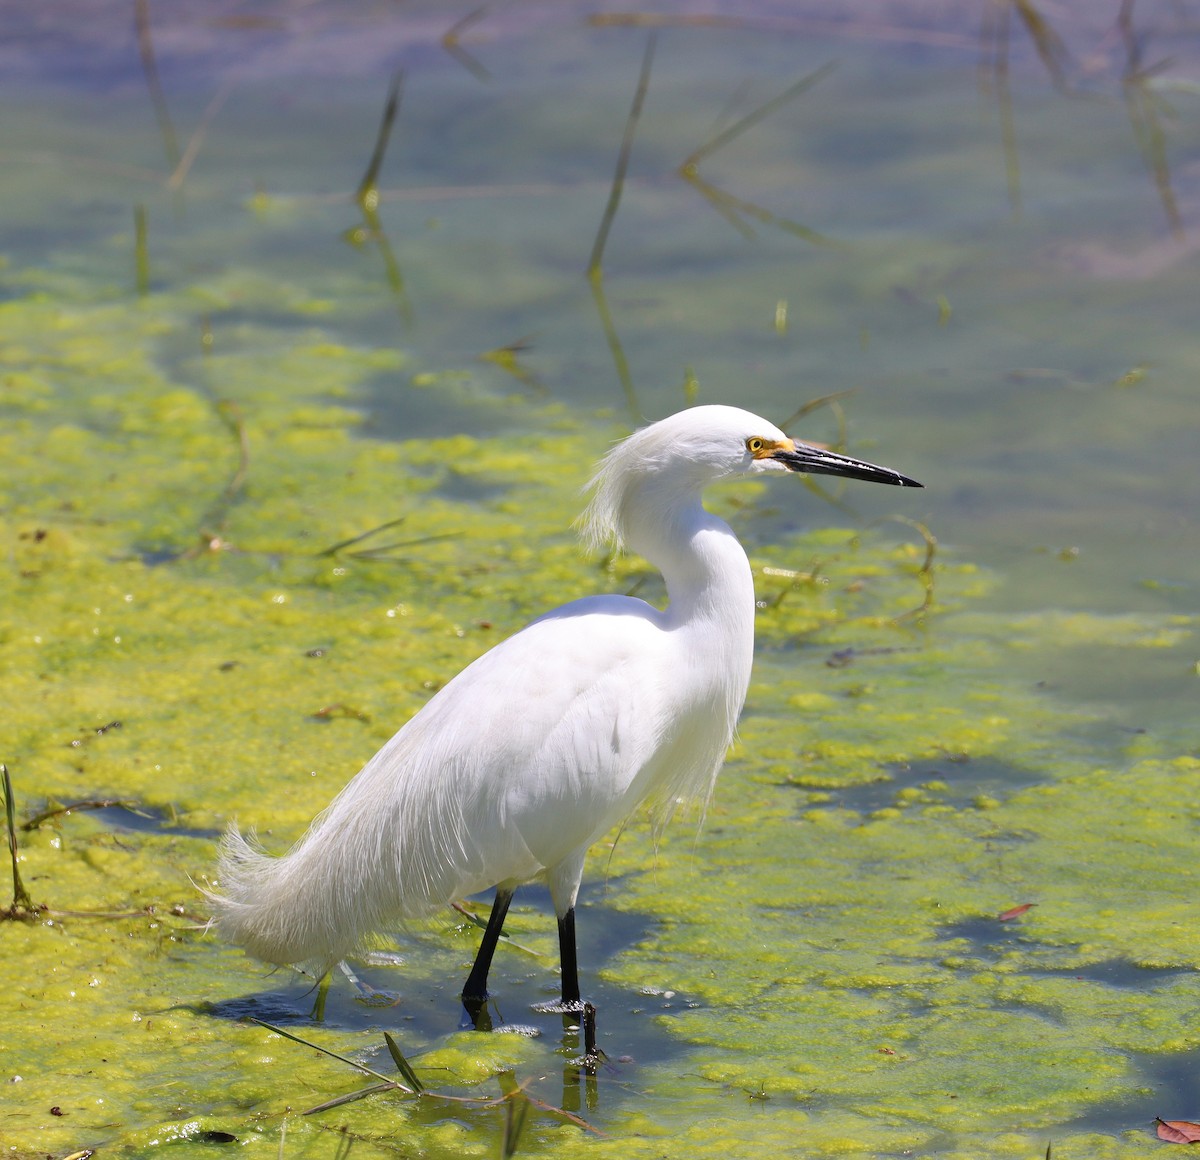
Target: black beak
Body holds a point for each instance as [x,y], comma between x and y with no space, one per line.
[818,461]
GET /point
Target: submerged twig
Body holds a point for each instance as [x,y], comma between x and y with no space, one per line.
[22,904]
[797,26]
[1051,49]
[925,572]
[141,251]
[504,938]
[516,1111]
[370,182]
[618,181]
[507,358]
[176,180]
[754,116]
[212,523]
[451,44]
[334,549]
[232,414]
[141,21]
[1145,108]
[91,804]
[729,207]
[830,401]
[994,40]
[367,197]
[411,1084]
[595,268]
[620,362]
[725,203]
[383,551]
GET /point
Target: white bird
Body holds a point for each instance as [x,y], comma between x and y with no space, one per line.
[542,745]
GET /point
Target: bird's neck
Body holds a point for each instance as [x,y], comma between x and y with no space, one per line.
[706,571]
[709,618]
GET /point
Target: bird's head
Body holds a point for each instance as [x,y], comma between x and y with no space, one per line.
[680,455]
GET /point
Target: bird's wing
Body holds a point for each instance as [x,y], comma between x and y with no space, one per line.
[527,755]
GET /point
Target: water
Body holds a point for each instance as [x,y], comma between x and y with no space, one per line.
[993,271]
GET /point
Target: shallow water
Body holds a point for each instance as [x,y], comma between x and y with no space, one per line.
[998,266]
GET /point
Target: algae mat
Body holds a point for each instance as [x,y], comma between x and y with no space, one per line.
[195,626]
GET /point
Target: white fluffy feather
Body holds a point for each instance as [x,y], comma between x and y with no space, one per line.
[546,742]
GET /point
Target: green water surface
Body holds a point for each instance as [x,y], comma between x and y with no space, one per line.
[192,630]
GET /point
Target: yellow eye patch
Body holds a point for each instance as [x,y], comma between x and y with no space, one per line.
[765,448]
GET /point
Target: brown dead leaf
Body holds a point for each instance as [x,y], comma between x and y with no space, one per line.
[1015,912]
[1178,1131]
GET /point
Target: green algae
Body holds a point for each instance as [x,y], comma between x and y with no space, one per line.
[826,968]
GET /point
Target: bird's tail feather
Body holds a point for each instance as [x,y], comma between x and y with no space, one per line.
[285,910]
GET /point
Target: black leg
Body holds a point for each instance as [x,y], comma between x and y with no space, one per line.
[475,992]
[569,961]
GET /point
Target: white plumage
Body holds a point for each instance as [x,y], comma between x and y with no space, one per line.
[538,748]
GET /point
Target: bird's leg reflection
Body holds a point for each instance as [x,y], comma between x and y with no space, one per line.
[477,1016]
[579,1072]
[474,992]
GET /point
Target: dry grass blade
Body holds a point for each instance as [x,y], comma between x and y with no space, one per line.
[332,1054]
[351,1097]
[402,1065]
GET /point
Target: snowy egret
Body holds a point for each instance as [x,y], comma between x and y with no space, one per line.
[538,748]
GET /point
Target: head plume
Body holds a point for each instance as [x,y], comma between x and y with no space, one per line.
[675,458]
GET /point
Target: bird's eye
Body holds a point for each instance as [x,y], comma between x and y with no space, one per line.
[754,446]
